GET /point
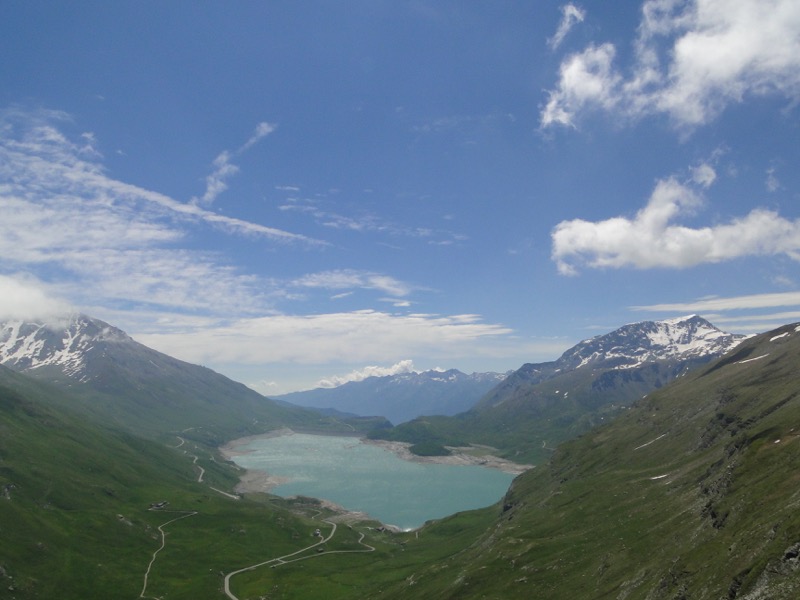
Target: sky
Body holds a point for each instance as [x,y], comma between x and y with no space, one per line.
[299,194]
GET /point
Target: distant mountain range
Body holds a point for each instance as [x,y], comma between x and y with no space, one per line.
[689,492]
[126,383]
[540,405]
[402,397]
[534,407]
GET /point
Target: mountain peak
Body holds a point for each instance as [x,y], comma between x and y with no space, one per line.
[637,343]
[65,342]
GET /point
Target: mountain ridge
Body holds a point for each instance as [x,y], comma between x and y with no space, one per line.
[690,494]
[403,396]
[139,388]
[540,405]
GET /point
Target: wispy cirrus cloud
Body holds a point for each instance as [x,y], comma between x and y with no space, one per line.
[692,59]
[347,279]
[65,217]
[653,239]
[571,15]
[745,314]
[464,124]
[325,215]
[747,302]
[224,169]
[364,336]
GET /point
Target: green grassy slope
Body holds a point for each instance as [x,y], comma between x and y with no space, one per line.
[691,494]
[116,380]
[75,520]
[525,420]
[74,499]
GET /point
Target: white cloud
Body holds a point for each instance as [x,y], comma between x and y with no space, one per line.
[102,240]
[704,175]
[586,78]
[773,183]
[692,59]
[571,15]
[216,182]
[345,279]
[350,337]
[652,239]
[22,297]
[364,222]
[747,316]
[704,305]
[262,130]
[404,366]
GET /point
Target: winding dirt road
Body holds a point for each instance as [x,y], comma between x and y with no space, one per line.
[281,560]
[184,515]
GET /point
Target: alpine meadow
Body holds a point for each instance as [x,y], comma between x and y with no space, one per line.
[370,300]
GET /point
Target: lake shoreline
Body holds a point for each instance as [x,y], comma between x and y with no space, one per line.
[458,456]
[259,481]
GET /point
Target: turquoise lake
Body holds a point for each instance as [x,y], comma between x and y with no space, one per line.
[366,478]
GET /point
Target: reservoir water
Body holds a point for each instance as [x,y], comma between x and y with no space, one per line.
[367,478]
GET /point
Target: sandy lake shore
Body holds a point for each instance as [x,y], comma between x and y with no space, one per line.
[459,456]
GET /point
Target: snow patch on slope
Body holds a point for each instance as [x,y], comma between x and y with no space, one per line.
[26,346]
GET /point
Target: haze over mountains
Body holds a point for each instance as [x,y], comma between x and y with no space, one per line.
[402,397]
[622,364]
[126,383]
[539,405]
[686,490]
[692,493]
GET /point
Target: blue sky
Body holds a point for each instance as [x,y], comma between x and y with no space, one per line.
[302,192]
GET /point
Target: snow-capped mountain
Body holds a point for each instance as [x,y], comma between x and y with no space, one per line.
[632,345]
[116,379]
[638,356]
[539,405]
[68,345]
[402,397]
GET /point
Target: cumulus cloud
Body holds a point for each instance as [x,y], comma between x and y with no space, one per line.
[571,15]
[652,238]
[586,79]
[704,175]
[691,60]
[404,366]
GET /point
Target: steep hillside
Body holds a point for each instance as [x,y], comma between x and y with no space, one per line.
[74,498]
[94,512]
[540,405]
[692,493]
[402,397]
[124,382]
